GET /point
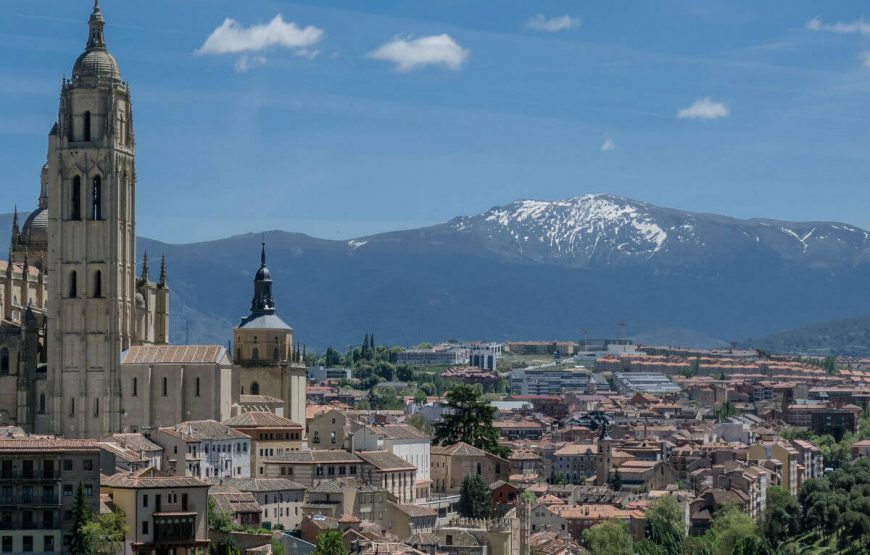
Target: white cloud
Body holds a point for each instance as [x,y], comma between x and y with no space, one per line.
[232,38]
[409,54]
[608,145]
[248,62]
[554,24]
[857,26]
[704,108]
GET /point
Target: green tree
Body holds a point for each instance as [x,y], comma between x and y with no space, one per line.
[725,410]
[420,423]
[665,526]
[81,515]
[469,419]
[475,500]
[609,538]
[616,480]
[730,527]
[781,518]
[404,373]
[332,358]
[278,547]
[420,397]
[218,521]
[105,534]
[329,543]
[529,497]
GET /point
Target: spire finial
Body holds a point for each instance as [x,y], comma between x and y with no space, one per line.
[162,281]
[263,252]
[145,267]
[95,28]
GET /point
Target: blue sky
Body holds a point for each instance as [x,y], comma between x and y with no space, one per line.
[347,118]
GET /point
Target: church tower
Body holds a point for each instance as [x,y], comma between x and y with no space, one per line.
[91,243]
[264,349]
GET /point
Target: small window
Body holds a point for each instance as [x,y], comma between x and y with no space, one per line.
[73,285]
[67,465]
[165,386]
[145,500]
[255,355]
[87,127]
[97,406]
[197,387]
[97,198]
[255,387]
[275,354]
[67,490]
[88,465]
[72,406]
[75,212]
[144,527]
[42,403]
[98,284]
[135,386]
[4,361]
[89,490]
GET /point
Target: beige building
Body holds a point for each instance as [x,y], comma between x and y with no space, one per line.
[270,435]
[165,514]
[310,467]
[263,345]
[452,463]
[787,456]
[280,500]
[38,482]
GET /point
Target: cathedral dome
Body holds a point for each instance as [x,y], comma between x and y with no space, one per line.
[263,274]
[95,65]
[35,230]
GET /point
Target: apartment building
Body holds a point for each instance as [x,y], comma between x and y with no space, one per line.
[269,434]
[38,482]
[204,448]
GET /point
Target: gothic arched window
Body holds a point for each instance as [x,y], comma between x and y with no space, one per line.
[165,386]
[98,284]
[87,127]
[97,198]
[4,361]
[255,388]
[75,212]
[73,285]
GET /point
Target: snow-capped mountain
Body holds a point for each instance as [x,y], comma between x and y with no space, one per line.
[606,229]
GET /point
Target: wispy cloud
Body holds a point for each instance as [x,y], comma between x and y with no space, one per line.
[704,108]
[857,26]
[247,62]
[552,25]
[608,145]
[233,38]
[410,53]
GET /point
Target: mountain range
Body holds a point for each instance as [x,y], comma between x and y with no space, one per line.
[532,270]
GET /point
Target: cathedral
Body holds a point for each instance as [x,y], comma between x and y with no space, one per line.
[84,341]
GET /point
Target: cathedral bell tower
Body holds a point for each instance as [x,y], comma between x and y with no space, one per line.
[91,243]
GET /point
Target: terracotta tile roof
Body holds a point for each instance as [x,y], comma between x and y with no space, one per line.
[260,419]
[460,448]
[150,478]
[174,354]
[137,442]
[198,430]
[385,460]
[315,457]
[42,444]
[258,484]
[400,431]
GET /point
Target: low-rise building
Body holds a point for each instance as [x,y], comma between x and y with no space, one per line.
[452,463]
[204,449]
[280,500]
[310,467]
[269,434]
[164,513]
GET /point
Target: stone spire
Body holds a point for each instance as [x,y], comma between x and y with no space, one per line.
[96,39]
[263,303]
[15,229]
[161,282]
[145,267]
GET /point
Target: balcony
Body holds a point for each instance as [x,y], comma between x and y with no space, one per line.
[175,527]
[32,525]
[38,500]
[19,474]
